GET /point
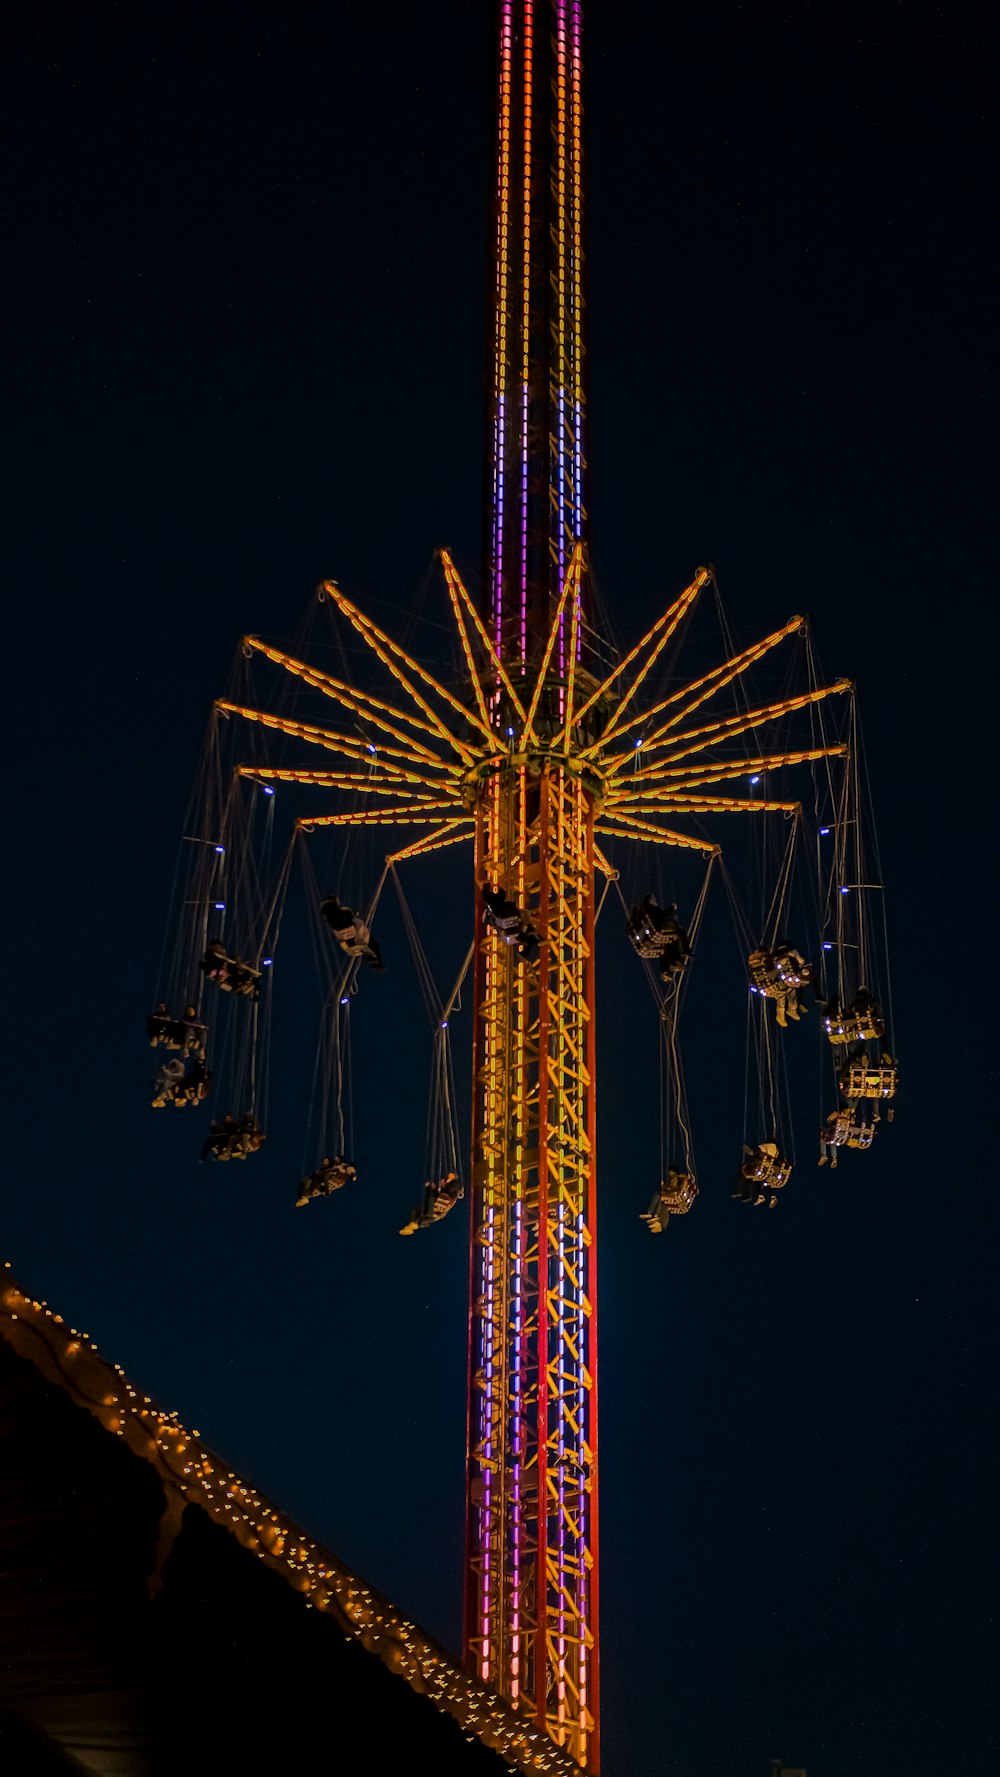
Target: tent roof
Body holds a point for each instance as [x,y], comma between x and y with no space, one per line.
[133,1591]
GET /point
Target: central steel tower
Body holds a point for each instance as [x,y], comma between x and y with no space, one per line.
[531,1618]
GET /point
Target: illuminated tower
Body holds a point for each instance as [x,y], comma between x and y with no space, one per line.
[532,1581]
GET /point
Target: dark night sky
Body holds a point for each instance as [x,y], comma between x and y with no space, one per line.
[245,251]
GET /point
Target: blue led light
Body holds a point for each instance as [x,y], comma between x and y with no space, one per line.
[372,749]
[828,947]
[444,1024]
[346,1000]
[268,791]
[220,848]
[266,964]
[220,906]
[755,780]
[823,832]
[638,744]
[844,891]
[510,733]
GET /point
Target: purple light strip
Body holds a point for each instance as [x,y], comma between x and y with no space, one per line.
[578,525]
[524,522]
[500,368]
[561,1407]
[498,521]
[561,559]
[584,1424]
[516,1528]
[577,280]
[526,309]
[489,1367]
[562,296]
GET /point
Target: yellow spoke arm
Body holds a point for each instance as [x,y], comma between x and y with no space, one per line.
[673,803]
[325,737]
[671,616]
[389,652]
[457,589]
[714,732]
[572,580]
[572,583]
[707,686]
[352,783]
[413,814]
[630,827]
[378,770]
[683,604]
[470,661]
[685,777]
[313,736]
[445,835]
[370,709]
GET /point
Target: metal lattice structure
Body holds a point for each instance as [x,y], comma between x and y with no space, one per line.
[536,762]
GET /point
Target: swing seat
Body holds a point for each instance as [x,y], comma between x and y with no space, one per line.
[776,975]
[862,1080]
[654,933]
[861,1135]
[679,1191]
[674,1197]
[764,975]
[331,1177]
[837,1129]
[791,969]
[648,945]
[855,1023]
[767,1165]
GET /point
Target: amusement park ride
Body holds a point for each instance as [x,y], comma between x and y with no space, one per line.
[551,758]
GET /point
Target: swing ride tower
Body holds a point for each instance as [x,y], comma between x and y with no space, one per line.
[543,756]
[532,1599]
